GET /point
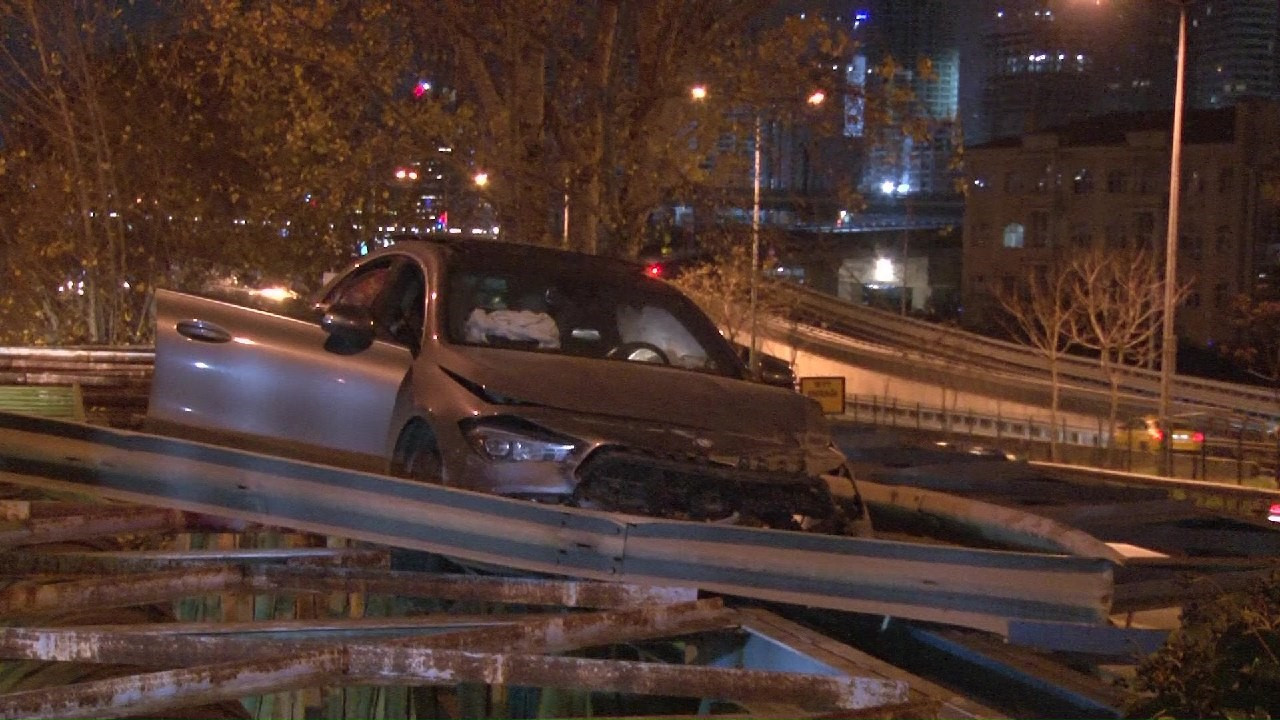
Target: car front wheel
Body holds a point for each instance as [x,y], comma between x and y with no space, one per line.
[417,456]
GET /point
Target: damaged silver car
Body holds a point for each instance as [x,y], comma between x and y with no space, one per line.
[509,369]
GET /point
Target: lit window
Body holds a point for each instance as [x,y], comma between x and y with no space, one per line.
[1014,235]
[883,272]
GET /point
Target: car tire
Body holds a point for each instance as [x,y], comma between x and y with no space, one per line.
[417,456]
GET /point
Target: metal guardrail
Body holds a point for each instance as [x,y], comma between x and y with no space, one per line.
[889,412]
[104,366]
[960,586]
[1225,458]
[958,345]
[897,221]
[115,381]
[1248,501]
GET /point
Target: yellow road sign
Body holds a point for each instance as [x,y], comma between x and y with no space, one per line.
[828,391]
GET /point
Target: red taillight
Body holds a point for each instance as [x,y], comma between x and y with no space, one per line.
[1197,437]
[1158,434]
[1274,515]
[654,270]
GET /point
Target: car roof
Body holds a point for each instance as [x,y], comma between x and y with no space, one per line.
[523,252]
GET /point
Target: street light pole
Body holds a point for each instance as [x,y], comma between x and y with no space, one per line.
[816,98]
[755,246]
[1168,339]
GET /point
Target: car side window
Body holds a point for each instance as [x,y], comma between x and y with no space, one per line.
[402,307]
[362,287]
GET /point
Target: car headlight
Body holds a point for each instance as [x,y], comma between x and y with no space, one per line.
[512,440]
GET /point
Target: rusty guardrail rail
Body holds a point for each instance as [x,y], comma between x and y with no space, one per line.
[210,624]
[961,586]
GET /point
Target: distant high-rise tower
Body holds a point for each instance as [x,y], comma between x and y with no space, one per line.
[920,37]
[1032,64]
[1233,51]
[913,29]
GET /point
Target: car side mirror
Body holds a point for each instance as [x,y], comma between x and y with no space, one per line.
[769,370]
[779,377]
[348,325]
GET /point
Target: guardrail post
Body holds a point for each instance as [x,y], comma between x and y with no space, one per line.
[893,418]
[875,410]
[1276,471]
[918,416]
[1240,454]
[855,407]
[1128,462]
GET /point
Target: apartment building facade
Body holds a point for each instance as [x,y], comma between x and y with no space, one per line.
[1036,199]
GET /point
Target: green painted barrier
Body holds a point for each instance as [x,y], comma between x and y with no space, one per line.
[62,402]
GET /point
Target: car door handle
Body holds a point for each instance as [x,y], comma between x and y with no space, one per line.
[203,331]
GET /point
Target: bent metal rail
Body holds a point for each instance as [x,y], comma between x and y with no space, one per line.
[960,586]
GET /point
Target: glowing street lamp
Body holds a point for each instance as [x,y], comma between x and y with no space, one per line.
[481,179]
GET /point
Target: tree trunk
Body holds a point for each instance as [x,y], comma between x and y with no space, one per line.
[1113,380]
[1054,395]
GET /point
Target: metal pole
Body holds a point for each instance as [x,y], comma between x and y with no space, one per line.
[565,239]
[755,246]
[1169,341]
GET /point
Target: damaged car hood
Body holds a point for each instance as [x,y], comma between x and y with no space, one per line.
[659,408]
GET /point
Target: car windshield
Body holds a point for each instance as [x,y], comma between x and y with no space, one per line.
[535,305]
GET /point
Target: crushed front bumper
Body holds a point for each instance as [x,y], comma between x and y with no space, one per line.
[635,483]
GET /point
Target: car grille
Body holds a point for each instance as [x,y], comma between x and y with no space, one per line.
[636,483]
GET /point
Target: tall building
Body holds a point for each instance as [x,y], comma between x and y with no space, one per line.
[1031,64]
[913,29]
[920,37]
[1233,51]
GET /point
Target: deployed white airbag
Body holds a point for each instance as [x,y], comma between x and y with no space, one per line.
[514,325]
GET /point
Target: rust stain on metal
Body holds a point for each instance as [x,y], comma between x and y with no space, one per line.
[108,563]
[11,510]
[33,598]
[811,691]
[558,633]
[527,591]
[80,527]
[160,651]
[567,632]
[166,690]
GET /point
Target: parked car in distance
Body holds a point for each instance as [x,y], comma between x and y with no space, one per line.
[1145,434]
[510,369]
[983,451]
